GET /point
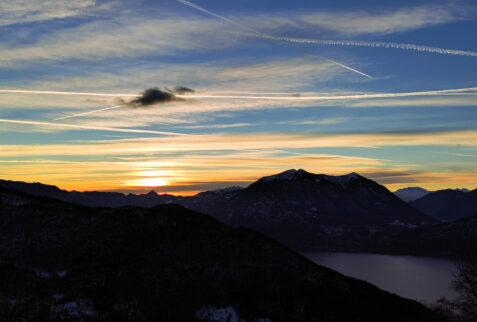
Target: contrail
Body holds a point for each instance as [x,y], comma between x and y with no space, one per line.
[85,113]
[347,67]
[290,96]
[84,127]
[190,4]
[25,91]
[258,33]
[376,44]
[469,91]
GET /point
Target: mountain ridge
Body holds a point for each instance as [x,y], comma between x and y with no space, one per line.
[299,208]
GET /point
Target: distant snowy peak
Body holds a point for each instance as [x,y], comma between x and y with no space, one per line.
[411,193]
[344,180]
[292,174]
[414,193]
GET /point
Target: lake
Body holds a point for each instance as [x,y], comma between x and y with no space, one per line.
[424,279]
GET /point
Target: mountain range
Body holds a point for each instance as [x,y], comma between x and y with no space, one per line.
[66,262]
[305,211]
[298,208]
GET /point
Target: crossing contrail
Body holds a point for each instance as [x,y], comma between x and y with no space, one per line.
[87,127]
[256,33]
[86,113]
[260,34]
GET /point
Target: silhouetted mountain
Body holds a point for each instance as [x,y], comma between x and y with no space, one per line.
[65,262]
[91,198]
[448,204]
[205,201]
[306,210]
[411,193]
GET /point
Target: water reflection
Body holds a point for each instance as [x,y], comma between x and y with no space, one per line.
[424,279]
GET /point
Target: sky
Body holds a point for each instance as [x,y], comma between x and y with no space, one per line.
[387,89]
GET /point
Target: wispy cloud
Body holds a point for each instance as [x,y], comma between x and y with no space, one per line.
[84,127]
[208,104]
[388,21]
[249,141]
[14,12]
[98,40]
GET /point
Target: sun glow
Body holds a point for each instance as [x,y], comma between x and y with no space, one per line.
[148,182]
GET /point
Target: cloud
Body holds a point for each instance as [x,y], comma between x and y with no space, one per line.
[175,143]
[84,127]
[25,11]
[119,38]
[182,90]
[153,96]
[149,97]
[251,32]
[387,22]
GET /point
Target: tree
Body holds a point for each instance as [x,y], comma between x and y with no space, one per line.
[464,308]
[466,284]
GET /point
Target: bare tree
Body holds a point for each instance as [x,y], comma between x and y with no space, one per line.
[466,284]
[464,308]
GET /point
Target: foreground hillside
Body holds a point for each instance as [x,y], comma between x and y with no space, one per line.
[63,262]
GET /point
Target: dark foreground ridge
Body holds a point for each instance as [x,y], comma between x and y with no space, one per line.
[64,262]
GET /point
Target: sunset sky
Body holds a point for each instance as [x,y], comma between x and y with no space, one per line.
[384,89]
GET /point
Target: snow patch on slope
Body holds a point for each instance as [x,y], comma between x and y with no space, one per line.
[287,175]
[344,180]
[211,313]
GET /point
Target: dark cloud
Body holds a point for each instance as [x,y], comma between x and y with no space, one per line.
[182,90]
[155,95]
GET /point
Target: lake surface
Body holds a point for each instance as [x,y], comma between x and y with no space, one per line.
[424,279]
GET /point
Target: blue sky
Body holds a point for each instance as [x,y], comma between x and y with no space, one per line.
[252,54]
